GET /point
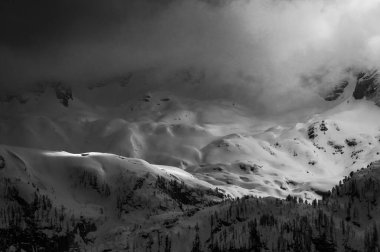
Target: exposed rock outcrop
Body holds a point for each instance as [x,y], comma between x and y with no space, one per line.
[336,92]
[367,86]
[63,93]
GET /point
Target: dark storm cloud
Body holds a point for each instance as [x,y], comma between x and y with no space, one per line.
[258,51]
[40,22]
[86,40]
[45,39]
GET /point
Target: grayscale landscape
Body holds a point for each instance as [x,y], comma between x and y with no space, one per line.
[203,125]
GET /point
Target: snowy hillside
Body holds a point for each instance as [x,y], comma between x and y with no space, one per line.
[61,202]
[147,173]
[189,126]
[58,197]
[220,142]
[346,219]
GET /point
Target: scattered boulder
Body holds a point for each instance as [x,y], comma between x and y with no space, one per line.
[338,148]
[351,142]
[312,162]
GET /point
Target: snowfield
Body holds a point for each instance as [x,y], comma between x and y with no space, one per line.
[84,173]
[217,143]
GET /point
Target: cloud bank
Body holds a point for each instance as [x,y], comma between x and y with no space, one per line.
[255,51]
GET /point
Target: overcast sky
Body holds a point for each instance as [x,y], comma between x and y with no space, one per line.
[259,47]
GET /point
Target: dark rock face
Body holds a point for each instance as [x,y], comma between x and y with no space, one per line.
[336,92]
[2,162]
[63,93]
[366,86]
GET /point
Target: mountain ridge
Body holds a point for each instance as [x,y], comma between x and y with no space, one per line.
[175,217]
[161,172]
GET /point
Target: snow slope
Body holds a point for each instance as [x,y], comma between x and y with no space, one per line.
[216,141]
[59,189]
[128,166]
[59,173]
[306,157]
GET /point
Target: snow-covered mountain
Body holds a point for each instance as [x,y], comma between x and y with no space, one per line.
[56,201]
[81,170]
[217,141]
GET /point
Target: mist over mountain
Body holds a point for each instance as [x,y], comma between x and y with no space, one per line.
[255,51]
[204,125]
